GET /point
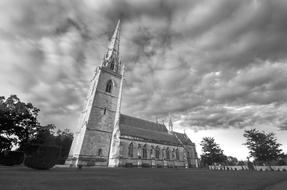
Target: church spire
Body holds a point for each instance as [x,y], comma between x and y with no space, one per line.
[104,100]
[112,55]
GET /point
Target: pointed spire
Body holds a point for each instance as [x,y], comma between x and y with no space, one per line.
[170,124]
[114,46]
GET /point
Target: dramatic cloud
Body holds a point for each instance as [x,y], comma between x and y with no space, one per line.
[212,64]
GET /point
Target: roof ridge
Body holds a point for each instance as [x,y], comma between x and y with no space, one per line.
[142,119]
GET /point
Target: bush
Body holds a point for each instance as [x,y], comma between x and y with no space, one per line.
[10,158]
[41,157]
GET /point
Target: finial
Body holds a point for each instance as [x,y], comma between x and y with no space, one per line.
[170,125]
[119,22]
[123,70]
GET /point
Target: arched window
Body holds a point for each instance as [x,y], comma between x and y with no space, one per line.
[109,86]
[157,152]
[173,154]
[177,154]
[187,154]
[112,66]
[167,154]
[139,151]
[145,151]
[100,152]
[152,152]
[131,150]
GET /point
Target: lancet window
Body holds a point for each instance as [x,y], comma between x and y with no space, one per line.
[112,66]
[100,152]
[157,152]
[167,154]
[109,86]
[145,151]
[131,150]
[177,154]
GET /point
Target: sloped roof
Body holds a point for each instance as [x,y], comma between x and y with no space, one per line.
[143,124]
[183,138]
[147,130]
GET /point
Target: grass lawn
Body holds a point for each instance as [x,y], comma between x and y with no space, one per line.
[21,178]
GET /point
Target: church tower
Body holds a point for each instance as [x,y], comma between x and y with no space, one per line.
[92,142]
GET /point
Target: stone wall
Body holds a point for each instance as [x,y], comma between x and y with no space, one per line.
[138,160]
[92,145]
[191,155]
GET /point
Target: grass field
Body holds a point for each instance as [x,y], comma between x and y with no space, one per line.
[21,178]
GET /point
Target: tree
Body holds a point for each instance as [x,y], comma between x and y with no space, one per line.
[263,146]
[45,135]
[231,161]
[64,139]
[19,127]
[212,153]
[18,122]
[241,163]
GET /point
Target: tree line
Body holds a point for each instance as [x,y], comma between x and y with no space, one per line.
[21,130]
[263,148]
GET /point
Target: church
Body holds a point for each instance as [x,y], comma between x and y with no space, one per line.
[106,137]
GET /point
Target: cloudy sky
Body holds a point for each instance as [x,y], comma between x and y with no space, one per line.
[218,67]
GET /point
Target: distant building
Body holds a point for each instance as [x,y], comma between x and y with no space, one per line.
[105,137]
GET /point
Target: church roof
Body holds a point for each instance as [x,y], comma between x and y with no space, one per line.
[143,124]
[146,130]
[183,138]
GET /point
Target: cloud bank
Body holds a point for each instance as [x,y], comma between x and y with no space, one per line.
[212,64]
